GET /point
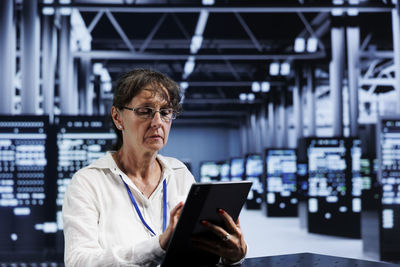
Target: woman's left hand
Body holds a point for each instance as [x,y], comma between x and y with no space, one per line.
[230,243]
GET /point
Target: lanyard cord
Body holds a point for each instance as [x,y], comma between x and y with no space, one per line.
[138,210]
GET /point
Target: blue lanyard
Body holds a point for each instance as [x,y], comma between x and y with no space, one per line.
[138,210]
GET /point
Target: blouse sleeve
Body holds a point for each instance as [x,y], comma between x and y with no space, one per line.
[81,216]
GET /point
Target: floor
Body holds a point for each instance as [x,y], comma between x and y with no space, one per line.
[276,236]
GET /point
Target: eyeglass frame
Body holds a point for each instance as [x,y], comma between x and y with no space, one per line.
[153,113]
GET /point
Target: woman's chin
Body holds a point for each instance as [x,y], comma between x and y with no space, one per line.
[155,146]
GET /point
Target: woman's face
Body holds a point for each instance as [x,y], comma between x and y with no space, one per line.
[145,134]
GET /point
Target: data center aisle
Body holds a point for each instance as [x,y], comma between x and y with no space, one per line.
[277,236]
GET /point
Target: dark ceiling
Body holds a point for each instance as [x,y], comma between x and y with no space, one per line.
[240,40]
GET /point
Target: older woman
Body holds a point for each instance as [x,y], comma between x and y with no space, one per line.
[116,209]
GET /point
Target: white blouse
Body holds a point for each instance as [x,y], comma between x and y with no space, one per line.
[101,226]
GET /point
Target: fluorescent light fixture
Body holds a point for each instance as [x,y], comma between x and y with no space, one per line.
[337,12]
[265,86]
[201,23]
[255,87]
[299,45]
[285,69]
[105,76]
[208,2]
[48,2]
[354,2]
[251,96]
[107,87]
[338,2]
[274,69]
[65,11]
[243,96]
[48,11]
[312,44]
[184,85]
[97,68]
[196,43]
[189,67]
[64,2]
[352,12]
[86,44]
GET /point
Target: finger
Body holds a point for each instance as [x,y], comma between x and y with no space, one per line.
[177,207]
[220,249]
[176,210]
[218,230]
[230,224]
[238,226]
[206,247]
[210,244]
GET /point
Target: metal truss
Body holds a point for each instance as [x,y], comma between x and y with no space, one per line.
[369,7]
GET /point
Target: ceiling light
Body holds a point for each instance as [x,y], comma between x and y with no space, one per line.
[208,2]
[255,87]
[352,11]
[201,23]
[312,44]
[184,85]
[107,87]
[338,2]
[65,11]
[47,11]
[265,86]
[354,2]
[97,68]
[105,76]
[337,12]
[285,69]
[299,45]
[242,96]
[189,67]
[196,43]
[274,69]
[251,96]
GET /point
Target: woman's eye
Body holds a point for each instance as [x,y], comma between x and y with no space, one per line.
[165,112]
[144,110]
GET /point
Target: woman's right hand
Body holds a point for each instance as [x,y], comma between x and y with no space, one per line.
[173,220]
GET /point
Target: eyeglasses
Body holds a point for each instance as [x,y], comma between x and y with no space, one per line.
[167,114]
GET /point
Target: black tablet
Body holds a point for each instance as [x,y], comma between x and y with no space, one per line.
[202,203]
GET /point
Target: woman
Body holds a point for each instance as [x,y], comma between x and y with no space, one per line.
[116,210]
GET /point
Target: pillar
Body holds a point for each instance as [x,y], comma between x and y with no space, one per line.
[396,51]
[49,58]
[297,105]
[30,57]
[311,106]
[67,101]
[336,68]
[353,46]
[7,58]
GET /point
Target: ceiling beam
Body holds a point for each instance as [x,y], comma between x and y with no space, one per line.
[248,31]
[266,8]
[213,113]
[120,31]
[129,55]
[228,83]
[152,33]
[202,122]
[236,101]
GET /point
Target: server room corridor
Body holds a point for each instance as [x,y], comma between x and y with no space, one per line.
[269,236]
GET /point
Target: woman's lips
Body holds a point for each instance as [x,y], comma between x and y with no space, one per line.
[155,137]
